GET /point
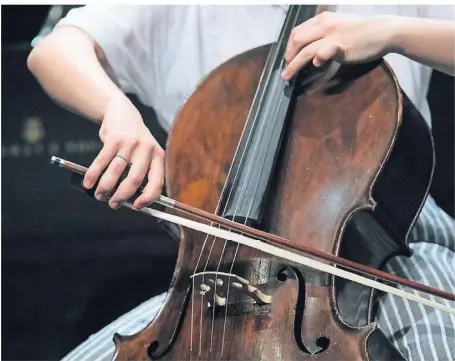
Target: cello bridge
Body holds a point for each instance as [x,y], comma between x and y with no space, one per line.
[217,287]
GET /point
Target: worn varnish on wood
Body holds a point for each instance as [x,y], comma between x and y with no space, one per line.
[352,171]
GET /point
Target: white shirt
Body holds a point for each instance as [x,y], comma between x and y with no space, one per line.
[161,52]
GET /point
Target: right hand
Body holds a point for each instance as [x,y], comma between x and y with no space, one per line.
[126,139]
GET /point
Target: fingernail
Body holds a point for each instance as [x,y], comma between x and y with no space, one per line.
[139,205]
[100,196]
[114,205]
[286,76]
[88,184]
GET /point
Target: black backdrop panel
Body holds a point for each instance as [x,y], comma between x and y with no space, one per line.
[21,23]
[56,292]
[70,264]
[37,200]
[441,98]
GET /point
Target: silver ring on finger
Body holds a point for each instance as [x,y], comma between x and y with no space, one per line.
[122,158]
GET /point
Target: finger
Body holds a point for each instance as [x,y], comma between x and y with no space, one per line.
[112,175]
[99,164]
[301,59]
[155,182]
[140,163]
[325,53]
[300,38]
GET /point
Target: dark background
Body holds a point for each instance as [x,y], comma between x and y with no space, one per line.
[70,265]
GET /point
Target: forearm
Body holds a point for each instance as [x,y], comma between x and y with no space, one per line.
[430,42]
[67,66]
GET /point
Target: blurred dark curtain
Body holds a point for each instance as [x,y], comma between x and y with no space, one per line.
[21,23]
[441,98]
[70,265]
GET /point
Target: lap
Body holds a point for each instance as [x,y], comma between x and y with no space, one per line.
[419,332]
[100,347]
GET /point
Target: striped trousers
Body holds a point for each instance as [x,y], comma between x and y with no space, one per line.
[419,332]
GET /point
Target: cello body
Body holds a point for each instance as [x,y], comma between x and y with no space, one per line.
[349,175]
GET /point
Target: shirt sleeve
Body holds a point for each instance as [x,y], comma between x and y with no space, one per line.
[439,12]
[124,33]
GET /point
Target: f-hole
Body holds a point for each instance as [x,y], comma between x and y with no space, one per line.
[153,347]
[322,343]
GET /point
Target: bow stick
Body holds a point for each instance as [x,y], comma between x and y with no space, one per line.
[267,242]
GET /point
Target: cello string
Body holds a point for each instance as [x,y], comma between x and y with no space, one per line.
[248,213]
[291,256]
[235,255]
[237,246]
[275,240]
[238,203]
[268,112]
[243,190]
[223,212]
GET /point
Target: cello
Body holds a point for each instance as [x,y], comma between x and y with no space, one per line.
[340,171]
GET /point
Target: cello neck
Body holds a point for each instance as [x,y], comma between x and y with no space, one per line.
[248,181]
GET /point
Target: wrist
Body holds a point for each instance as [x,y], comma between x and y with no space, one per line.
[392,34]
[118,100]
[120,111]
[400,30]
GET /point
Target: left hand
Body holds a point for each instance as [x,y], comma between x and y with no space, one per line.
[338,37]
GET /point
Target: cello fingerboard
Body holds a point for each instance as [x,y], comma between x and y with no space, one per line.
[255,159]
